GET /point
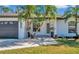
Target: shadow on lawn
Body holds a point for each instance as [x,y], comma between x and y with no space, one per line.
[71,43]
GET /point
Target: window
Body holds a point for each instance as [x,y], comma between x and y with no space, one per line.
[1,22]
[10,22]
[48,28]
[71,27]
[14,22]
[5,22]
[36,27]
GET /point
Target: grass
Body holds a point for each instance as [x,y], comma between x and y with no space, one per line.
[68,47]
[44,50]
[71,43]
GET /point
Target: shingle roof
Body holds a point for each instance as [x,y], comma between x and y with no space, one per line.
[59,17]
[8,15]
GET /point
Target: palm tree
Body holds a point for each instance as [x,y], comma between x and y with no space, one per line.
[6,9]
[39,15]
[70,12]
[43,11]
[39,18]
[51,13]
[26,12]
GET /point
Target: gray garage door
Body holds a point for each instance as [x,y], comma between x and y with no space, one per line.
[8,29]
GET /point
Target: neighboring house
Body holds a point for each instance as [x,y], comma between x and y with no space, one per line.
[11,27]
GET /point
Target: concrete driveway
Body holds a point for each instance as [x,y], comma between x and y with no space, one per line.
[7,44]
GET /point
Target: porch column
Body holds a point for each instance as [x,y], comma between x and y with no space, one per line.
[21,29]
[55,27]
[78,28]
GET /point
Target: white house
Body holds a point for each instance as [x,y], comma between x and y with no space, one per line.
[11,27]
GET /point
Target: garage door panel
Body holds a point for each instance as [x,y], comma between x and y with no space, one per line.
[9,29]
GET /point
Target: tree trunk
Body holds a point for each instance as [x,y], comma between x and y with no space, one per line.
[76,28]
[28,28]
[76,24]
[55,29]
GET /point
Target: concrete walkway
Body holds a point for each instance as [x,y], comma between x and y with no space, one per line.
[8,44]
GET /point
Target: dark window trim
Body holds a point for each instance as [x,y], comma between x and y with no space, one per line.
[71,27]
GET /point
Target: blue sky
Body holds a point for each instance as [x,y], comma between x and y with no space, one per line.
[60,10]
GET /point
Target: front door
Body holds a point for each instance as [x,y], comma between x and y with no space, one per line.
[50,29]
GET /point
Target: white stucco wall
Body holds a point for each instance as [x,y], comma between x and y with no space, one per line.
[21,31]
[62,28]
[70,34]
[43,30]
[55,27]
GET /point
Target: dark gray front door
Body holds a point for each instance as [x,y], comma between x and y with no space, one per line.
[8,29]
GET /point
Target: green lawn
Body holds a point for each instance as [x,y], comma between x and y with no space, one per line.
[68,47]
[43,50]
